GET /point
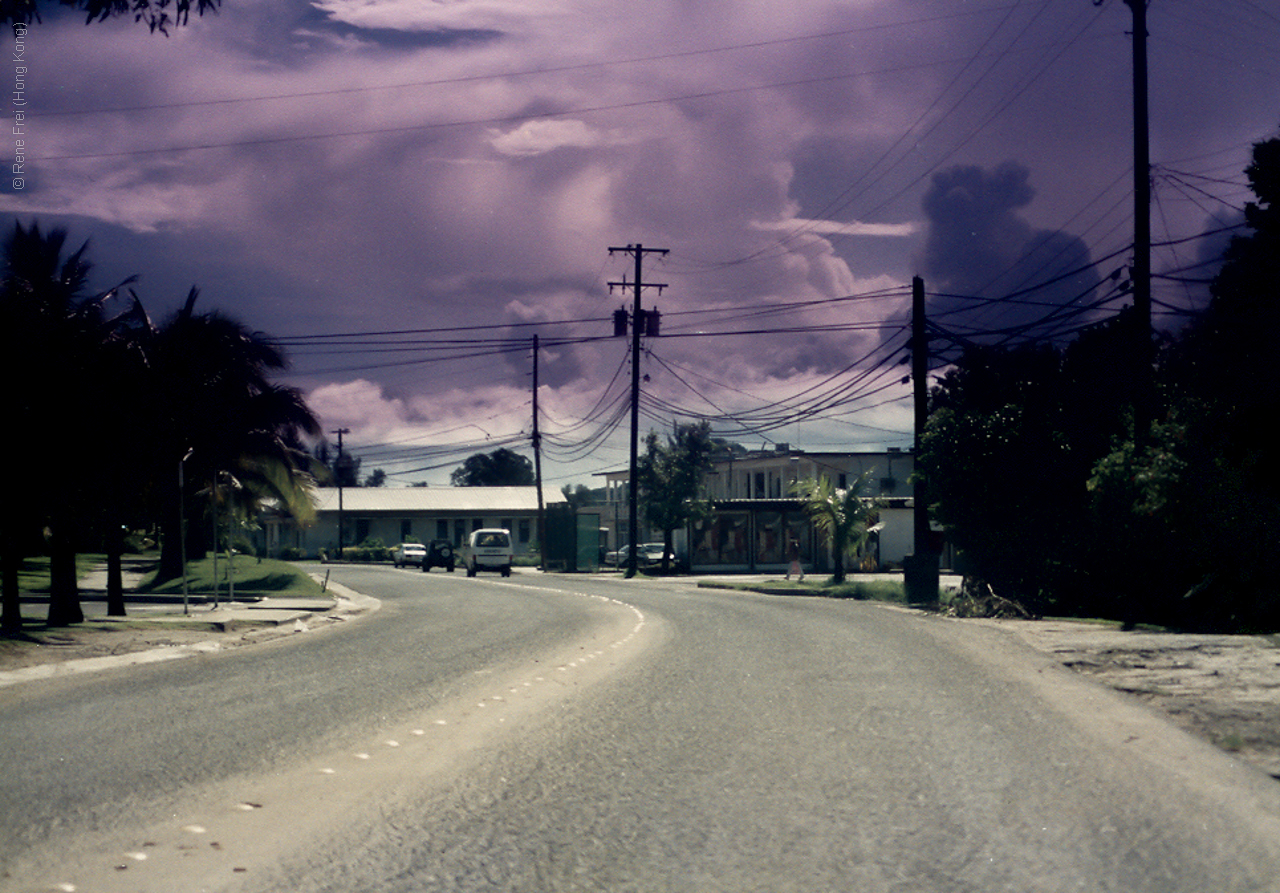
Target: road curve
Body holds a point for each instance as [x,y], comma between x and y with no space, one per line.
[684,739]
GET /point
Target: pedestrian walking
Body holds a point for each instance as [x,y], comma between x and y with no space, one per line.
[793,553]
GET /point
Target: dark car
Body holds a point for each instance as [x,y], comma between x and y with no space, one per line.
[647,555]
[439,554]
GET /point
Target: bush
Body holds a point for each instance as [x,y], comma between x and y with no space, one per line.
[136,543]
[369,551]
[292,553]
[244,547]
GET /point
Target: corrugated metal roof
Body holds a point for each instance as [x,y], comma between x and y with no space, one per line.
[435,499]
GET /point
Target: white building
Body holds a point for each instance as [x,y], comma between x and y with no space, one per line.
[755,519]
[413,514]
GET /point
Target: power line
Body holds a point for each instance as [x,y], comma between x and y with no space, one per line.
[523,73]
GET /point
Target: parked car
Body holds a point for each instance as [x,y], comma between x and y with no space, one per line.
[408,554]
[439,554]
[488,549]
[647,555]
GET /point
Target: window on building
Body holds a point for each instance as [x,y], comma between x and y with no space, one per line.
[525,530]
[442,529]
[477,523]
[406,531]
[507,524]
[459,532]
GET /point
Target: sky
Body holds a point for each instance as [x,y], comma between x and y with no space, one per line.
[406,193]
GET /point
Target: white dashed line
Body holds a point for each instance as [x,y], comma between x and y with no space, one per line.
[139,857]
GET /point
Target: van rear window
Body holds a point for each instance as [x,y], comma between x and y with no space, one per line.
[493,540]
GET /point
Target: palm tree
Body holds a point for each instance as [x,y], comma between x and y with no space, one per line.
[54,355]
[842,516]
[213,398]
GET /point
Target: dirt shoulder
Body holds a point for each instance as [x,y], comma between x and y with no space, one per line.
[104,639]
[1224,689]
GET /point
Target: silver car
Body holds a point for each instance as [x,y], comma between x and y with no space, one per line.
[408,555]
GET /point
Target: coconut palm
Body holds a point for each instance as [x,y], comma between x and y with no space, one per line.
[147,395]
[842,516]
[212,398]
[56,353]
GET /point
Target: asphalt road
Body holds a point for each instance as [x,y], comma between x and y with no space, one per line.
[598,734]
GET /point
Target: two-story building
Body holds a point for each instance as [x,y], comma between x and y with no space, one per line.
[755,518]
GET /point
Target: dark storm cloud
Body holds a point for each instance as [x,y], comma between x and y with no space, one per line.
[356,166]
[980,247]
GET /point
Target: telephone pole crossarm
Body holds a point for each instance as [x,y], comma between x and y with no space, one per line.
[638,251]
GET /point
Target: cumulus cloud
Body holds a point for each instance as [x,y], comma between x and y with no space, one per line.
[836,227]
[437,14]
[539,137]
[980,246]
[360,404]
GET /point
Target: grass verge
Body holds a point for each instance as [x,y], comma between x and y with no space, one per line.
[33,575]
[862,590]
[253,577]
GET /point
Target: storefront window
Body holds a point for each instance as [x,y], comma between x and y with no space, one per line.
[770,544]
[722,540]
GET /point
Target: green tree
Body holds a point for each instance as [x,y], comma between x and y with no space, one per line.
[334,470]
[501,468]
[671,476]
[998,468]
[1223,396]
[580,495]
[843,517]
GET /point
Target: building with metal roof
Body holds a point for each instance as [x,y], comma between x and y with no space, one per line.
[413,514]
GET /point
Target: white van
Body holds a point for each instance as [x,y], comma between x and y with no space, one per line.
[488,549]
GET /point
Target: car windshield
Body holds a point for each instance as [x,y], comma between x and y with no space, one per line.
[492,539]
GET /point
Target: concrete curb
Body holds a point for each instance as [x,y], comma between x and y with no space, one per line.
[270,621]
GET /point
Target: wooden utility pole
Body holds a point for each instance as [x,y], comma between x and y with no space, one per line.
[1141,170]
[633,518]
[1143,333]
[1144,401]
[920,569]
[537,464]
[337,466]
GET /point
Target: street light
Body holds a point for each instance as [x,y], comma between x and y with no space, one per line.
[182,527]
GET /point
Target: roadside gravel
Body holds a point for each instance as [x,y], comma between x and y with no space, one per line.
[1224,689]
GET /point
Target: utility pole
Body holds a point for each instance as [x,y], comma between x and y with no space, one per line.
[920,570]
[182,528]
[1143,360]
[537,463]
[337,465]
[637,318]
[1144,408]
[1141,170]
